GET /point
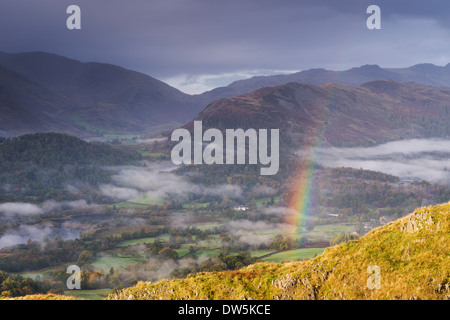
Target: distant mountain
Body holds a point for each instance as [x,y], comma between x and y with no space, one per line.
[426,73]
[339,115]
[42,92]
[69,96]
[27,106]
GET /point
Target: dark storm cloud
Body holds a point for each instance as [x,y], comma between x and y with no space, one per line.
[166,38]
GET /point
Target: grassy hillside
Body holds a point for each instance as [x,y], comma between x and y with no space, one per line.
[412,253]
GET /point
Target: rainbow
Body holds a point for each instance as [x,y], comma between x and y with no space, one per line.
[300,199]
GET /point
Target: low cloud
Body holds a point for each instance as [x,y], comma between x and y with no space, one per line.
[181,219]
[156,181]
[224,190]
[153,269]
[196,84]
[263,191]
[51,205]
[119,193]
[247,225]
[37,233]
[15,209]
[20,209]
[251,232]
[424,159]
[279,211]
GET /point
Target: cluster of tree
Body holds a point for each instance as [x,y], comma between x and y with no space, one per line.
[233,262]
[380,196]
[16,285]
[90,278]
[361,191]
[344,172]
[278,243]
[441,192]
[344,237]
[282,243]
[160,250]
[35,255]
[23,182]
[213,264]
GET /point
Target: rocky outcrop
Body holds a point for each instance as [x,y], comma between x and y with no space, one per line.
[417,221]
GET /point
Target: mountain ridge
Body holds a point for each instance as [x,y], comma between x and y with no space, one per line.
[420,73]
[88,97]
[336,114]
[91,99]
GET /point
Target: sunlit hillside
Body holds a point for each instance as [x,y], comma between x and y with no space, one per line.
[412,254]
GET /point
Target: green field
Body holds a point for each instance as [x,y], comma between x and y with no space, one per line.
[97,294]
[41,272]
[132,242]
[297,254]
[146,200]
[327,232]
[260,253]
[262,201]
[206,226]
[33,275]
[107,263]
[206,253]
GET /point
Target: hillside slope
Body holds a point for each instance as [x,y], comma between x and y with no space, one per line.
[41,92]
[375,112]
[412,253]
[84,98]
[35,165]
[27,106]
[55,149]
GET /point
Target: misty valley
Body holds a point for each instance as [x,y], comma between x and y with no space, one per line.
[224,150]
[123,212]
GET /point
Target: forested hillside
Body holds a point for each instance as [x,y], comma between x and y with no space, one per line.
[54,149]
[37,165]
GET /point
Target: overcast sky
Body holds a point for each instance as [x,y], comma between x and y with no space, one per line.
[196,45]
